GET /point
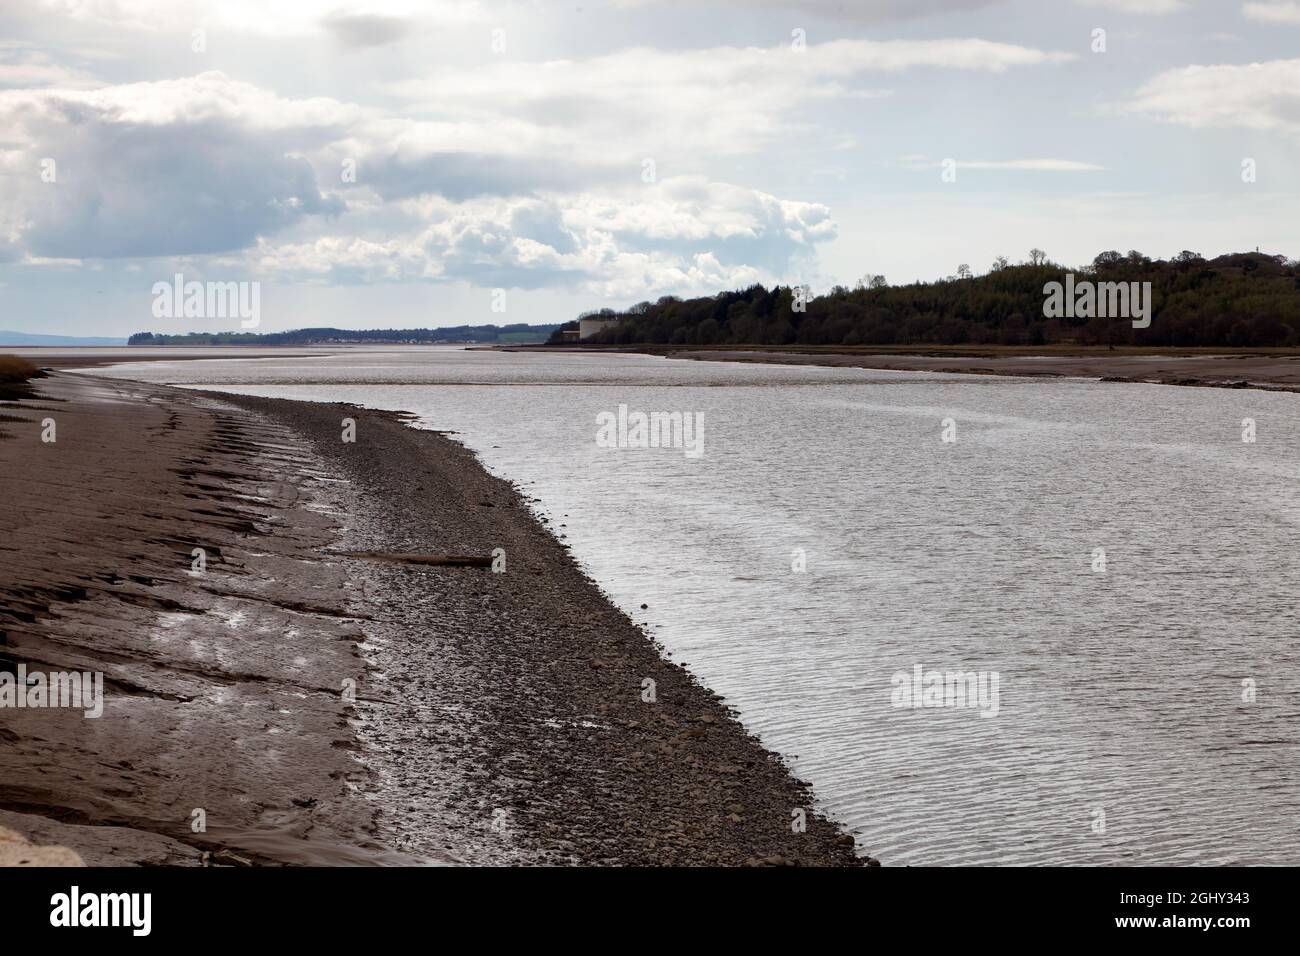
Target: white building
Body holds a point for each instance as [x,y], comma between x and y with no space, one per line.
[589,326]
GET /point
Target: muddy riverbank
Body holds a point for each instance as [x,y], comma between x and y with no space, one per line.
[290,698]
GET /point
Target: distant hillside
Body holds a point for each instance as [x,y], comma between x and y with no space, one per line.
[30,338]
[516,334]
[1242,299]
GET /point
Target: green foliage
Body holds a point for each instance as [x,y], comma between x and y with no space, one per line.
[571,326]
[1242,299]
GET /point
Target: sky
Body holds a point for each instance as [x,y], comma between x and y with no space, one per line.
[424,163]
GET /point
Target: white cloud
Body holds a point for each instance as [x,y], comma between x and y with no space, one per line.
[682,233]
[260,17]
[1273,11]
[1025,165]
[855,10]
[299,17]
[179,167]
[643,102]
[209,166]
[1259,96]
[232,161]
[1033,165]
[23,66]
[1138,6]
[479,169]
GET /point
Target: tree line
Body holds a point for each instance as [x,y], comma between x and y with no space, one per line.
[1239,299]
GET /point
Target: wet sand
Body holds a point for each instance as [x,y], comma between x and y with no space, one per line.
[1265,369]
[99,356]
[1277,370]
[318,700]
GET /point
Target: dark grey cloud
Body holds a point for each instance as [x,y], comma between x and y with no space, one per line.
[358,31]
[148,190]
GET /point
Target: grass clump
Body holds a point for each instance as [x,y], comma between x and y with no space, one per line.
[16,375]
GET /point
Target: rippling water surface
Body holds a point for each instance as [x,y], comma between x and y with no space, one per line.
[1120,693]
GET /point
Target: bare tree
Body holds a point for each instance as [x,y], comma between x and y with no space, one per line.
[1037,257]
[963,271]
[1000,263]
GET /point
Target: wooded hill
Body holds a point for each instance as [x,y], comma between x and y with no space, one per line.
[1241,299]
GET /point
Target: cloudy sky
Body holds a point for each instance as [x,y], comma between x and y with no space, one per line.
[391,163]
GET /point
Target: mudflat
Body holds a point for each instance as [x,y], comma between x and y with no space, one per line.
[294,673]
[1277,370]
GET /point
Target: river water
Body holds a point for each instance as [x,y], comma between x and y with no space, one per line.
[1113,558]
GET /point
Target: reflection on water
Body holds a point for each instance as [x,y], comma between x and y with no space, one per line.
[1124,732]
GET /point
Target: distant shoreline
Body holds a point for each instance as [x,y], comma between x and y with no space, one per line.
[1276,370]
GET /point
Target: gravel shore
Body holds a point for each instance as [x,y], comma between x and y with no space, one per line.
[319,701]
